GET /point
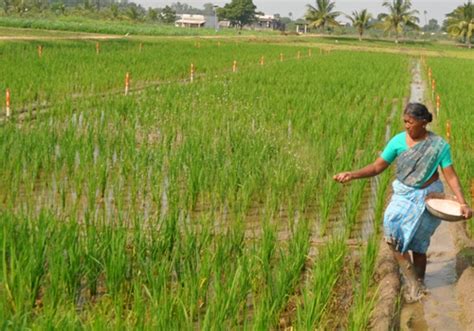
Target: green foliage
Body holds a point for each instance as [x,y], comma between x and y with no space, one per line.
[168,15]
[460,22]
[399,17]
[238,12]
[323,15]
[361,21]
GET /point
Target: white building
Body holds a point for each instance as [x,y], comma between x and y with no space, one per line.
[191,21]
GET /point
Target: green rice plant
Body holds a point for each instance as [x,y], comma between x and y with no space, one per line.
[320,285]
[364,298]
[150,197]
[281,282]
[453,77]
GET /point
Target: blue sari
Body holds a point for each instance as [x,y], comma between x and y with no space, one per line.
[407,223]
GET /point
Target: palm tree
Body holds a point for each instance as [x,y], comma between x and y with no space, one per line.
[400,16]
[461,22]
[360,21]
[322,15]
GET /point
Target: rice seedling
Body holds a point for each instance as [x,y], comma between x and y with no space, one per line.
[136,211]
[453,78]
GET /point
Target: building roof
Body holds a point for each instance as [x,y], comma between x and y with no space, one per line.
[192,19]
[265,17]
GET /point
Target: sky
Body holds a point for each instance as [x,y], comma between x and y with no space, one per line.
[436,9]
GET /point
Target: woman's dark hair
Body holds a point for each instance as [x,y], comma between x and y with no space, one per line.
[418,111]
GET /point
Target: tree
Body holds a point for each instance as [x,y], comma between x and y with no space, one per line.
[322,15]
[168,15]
[152,14]
[238,12]
[432,26]
[208,9]
[6,5]
[460,22]
[133,13]
[114,10]
[400,16]
[360,21]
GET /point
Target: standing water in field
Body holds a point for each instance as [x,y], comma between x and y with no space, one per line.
[439,310]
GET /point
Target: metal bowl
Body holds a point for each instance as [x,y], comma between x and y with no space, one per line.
[442,215]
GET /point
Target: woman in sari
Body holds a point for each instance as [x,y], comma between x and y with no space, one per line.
[407,224]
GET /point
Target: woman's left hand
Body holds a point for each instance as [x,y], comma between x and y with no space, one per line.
[466,211]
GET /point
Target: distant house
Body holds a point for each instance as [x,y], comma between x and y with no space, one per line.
[225,24]
[302,27]
[265,22]
[191,21]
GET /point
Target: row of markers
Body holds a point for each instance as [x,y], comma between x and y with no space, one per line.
[198,45]
[438,102]
[191,77]
[433,91]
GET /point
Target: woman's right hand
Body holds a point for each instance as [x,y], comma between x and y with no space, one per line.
[343,177]
[466,211]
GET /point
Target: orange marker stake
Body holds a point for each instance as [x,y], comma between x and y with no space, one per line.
[433,88]
[438,104]
[281,57]
[448,130]
[191,77]
[7,98]
[430,73]
[127,83]
[234,66]
[262,60]
[97,47]
[40,50]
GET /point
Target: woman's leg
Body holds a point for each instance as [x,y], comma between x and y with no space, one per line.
[419,260]
[413,290]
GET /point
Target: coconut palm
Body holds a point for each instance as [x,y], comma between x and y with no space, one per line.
[460,22]
[360,21]
[322,15]
[400,16]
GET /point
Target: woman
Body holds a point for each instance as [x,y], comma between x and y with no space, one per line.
[407,224]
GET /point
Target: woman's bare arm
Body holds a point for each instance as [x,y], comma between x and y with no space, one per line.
[371,170]
[453,182]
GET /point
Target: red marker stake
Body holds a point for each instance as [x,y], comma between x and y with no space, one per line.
[448,130]
[438,104]
[7,97]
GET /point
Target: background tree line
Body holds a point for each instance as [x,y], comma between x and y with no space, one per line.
[398,19]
